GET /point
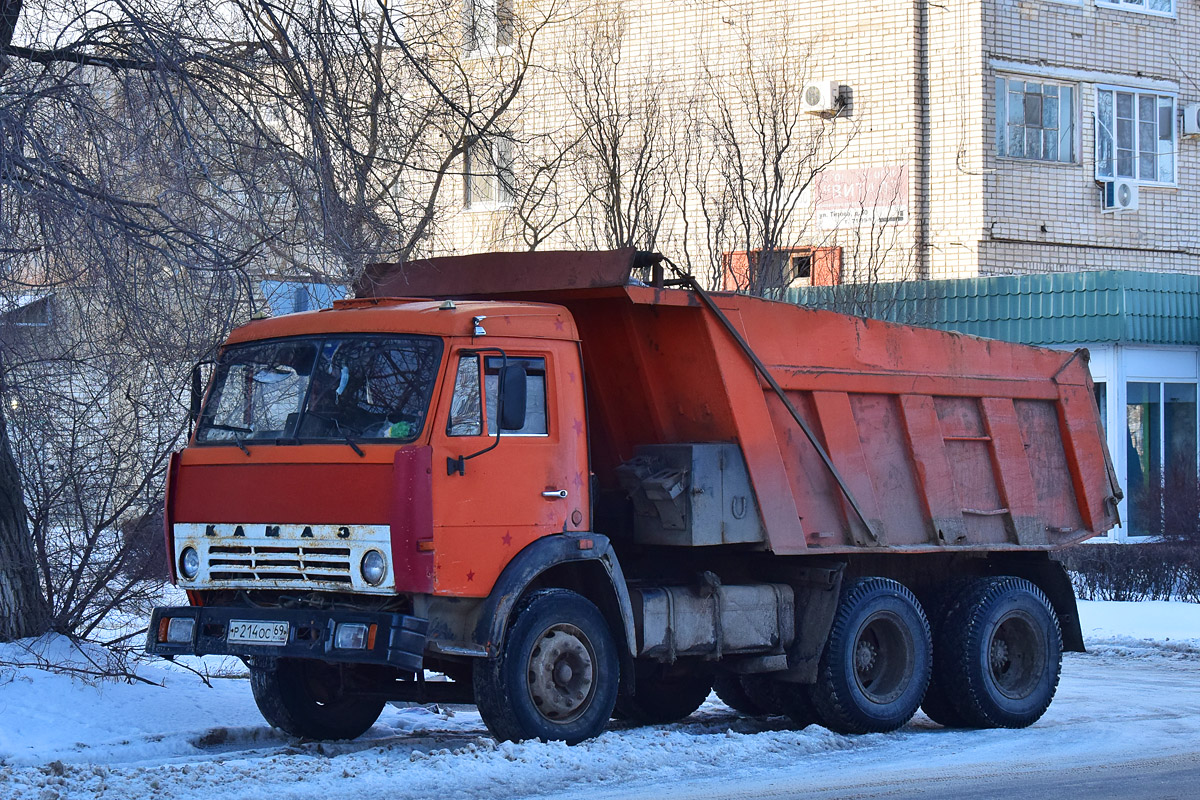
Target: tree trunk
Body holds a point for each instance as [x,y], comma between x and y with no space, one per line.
[23,608]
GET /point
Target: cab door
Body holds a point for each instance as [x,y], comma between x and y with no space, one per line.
[494,495]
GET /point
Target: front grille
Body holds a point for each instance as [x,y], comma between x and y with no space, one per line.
[279,564]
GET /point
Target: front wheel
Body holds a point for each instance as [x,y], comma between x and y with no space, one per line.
[308,698]
[556,675]
[876,663]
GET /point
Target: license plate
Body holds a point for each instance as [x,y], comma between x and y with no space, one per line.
[242,631]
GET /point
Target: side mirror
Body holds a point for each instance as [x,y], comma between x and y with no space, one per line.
[512,397]
[197,394]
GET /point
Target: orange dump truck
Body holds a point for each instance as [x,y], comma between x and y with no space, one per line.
[574,493]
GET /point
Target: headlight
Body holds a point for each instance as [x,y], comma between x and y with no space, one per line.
[179,629]
[352,636]
[374,567]
[189,563]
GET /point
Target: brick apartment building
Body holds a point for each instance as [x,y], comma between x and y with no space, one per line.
[982,133]
[974,139]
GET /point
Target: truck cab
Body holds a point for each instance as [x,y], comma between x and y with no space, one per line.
[373,427]
[357,457]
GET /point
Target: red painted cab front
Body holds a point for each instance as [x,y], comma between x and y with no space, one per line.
[322,461]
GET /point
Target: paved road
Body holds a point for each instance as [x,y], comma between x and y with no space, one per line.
[1174,778]
[1124,726]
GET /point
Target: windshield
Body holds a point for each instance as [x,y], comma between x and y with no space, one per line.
[358,387]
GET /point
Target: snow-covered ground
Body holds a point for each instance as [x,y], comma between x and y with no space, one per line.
[1136,691]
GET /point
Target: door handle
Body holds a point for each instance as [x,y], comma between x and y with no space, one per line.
[555,494]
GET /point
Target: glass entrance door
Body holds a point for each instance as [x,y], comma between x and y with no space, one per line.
[1161,477]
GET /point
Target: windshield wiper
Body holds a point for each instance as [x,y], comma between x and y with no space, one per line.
[349,439]
[235,430]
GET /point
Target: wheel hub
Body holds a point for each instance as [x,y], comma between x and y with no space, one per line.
[999,656]
[864,656]
[560,676]
[881,655]
[1017,656]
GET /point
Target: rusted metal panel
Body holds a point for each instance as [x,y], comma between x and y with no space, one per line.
[968,450]
[498,274]
[680,621]
[1011,466]
[934,476]
[1086,459]
[1058,506]
[758,437]
[840,431]
[889,462]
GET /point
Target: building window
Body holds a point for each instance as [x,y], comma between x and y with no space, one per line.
[28,312]
[799,269]
[1035,120]
[488,173]
[1135,135]
[759,270]
[1161,474]
[1164,7]
[487,25]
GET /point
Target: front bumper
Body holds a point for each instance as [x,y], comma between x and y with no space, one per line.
[399,639]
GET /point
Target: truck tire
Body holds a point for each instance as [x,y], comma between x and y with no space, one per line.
[792,700]
[938,705]
[1003,654]
[728,686]
[302,697]
[665,693]
[556,676]
[875,666]
[761,692]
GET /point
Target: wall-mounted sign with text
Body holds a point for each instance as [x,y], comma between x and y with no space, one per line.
[845,198]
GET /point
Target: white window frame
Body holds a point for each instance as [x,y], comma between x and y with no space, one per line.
[488,186]
[1002,141]
[1138,7]
[489,27]
[1101,133]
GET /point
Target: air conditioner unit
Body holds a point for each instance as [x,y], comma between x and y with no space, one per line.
[1119,195]
[821,97]
[1191,119]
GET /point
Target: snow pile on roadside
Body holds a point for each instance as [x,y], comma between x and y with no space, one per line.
[1148,628]
[67,712]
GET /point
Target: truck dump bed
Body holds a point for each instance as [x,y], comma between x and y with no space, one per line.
[943,441]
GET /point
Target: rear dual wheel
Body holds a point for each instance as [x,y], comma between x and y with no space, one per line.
[792,700]
[665,692]
[731,690]
[877,660]
[997,656]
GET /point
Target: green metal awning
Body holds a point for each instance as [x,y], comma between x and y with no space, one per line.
[1048,308]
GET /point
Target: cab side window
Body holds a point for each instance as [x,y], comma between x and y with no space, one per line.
[535,393]
[466,404]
